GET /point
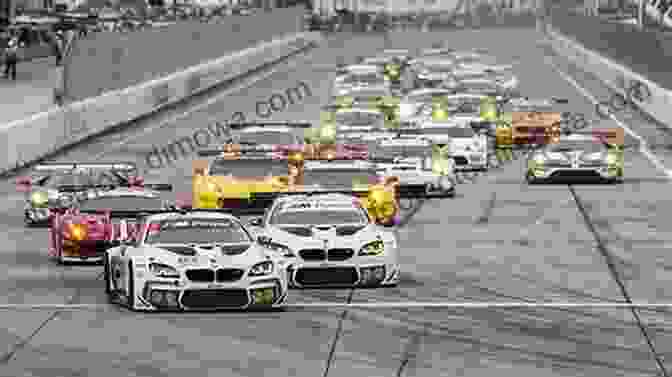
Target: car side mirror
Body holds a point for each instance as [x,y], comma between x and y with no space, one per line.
[257,221]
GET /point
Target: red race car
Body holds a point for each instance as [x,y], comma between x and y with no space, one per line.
[101,220]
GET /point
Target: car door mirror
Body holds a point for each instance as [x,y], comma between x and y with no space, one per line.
[257,221]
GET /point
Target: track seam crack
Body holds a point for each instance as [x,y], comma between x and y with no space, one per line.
[9,355]
[412,349]
[601,247]
[337,336]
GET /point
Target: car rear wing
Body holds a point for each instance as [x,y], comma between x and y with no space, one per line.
[535,127]
[614,136]
[238,126]
[283,151]
[148,186]
[403,192]
[241,150]
[178,211]
[120,166]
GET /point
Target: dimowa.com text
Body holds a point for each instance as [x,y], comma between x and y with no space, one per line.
[219,131]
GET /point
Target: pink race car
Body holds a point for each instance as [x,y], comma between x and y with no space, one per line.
[85,230]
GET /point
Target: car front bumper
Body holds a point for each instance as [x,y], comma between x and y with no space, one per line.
[372,272]
[468,161]
[575,174]
[181,295]
[37,216]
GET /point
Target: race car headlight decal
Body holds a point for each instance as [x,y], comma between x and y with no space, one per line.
[328,133]
[282,249]
[612,159]
[39,199]
[76,232]
[261,269]
[439,114]
[374,248]
[163,271]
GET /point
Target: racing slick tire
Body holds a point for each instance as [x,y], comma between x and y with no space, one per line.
[130,295]
[530,179]
[106,276]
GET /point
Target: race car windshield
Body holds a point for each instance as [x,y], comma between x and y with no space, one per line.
[391,151]
[249,168]
[469,75]
[339,179]
[588,146]
[122,203]
[457,132]
[367,78]
[465,107]
[67,179]
[440,68]
[266,137]
[201,231]
[358,119]
[320,216]
[483,86]
[427,97]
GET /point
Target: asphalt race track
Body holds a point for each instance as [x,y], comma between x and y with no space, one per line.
[498,241]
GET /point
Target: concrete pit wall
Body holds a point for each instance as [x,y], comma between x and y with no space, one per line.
[109,61]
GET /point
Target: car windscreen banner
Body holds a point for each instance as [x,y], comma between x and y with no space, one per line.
[532,127]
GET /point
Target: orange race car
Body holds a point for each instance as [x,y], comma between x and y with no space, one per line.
[251,176]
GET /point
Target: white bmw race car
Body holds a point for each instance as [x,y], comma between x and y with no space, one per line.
[410,159]
[330,240]
[194,261]
[467,147]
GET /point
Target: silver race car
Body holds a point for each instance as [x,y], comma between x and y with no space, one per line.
[433,73]
[330,240]
[410,159]
[194,260]
[52,184]
[364,77]
[359,120]
[467,147]
[575,159]
[268,133]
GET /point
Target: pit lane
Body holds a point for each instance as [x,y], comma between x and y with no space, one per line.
[498,241]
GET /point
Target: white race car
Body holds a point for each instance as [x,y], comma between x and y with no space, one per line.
[410,104]
[365,77]
[194,261]
[330,240]
[410,159]
[359,120]
[433,73]
[468,148]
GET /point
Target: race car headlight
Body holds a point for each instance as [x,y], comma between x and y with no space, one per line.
[163,271]
[374,248]
[76,232]
[281,249]
[39,199]
[261,269]
[439,114]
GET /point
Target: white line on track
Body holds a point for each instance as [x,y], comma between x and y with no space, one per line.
[191,110]
[383,305]
[642,143]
